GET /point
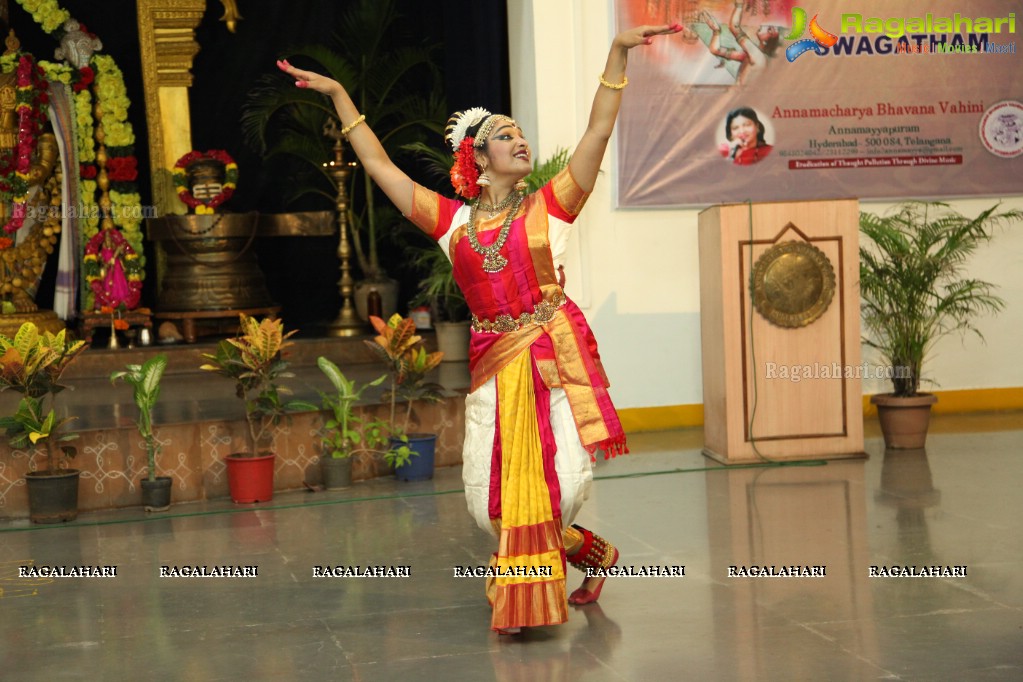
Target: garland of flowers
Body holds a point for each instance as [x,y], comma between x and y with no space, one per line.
[119,138]
[107,82]
[46,13]
[30,108]
[180,174]
[463,172]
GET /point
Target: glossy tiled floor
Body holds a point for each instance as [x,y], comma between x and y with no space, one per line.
[957,504]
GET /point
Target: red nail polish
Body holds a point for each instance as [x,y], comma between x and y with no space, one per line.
[301,84]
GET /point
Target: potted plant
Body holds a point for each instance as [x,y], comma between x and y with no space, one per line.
[914,292]
[32,364]
[345,433]
[145,381]
[254,360]
[408,363]
[395,85]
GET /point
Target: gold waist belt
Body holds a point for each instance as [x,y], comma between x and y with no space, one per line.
[543,312]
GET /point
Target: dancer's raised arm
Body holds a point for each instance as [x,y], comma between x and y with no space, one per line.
[585,162]
[363,141]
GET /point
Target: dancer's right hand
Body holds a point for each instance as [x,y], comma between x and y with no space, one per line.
[310,79]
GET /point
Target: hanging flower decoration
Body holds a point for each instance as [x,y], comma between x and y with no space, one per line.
[121,166]
[30,109]
[209,205]
[464,172]
[113,270]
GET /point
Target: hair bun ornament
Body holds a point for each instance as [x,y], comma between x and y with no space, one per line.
[459,124]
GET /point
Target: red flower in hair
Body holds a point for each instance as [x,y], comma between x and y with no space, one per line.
[463,172]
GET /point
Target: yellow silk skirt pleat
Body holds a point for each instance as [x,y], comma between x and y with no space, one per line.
[531,540]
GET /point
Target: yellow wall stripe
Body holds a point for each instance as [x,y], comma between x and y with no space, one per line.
[637,419]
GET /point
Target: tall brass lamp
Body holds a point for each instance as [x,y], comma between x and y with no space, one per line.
[347,322]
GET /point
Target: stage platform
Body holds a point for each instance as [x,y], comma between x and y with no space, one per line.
[199,420]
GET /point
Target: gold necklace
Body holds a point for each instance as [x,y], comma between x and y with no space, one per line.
[492,260]
[505,203]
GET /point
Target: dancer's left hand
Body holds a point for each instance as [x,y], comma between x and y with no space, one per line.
[644,35]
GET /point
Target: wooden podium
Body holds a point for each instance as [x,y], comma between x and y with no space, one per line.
[780,328]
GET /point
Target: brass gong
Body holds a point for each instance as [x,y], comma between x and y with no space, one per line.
[793,284]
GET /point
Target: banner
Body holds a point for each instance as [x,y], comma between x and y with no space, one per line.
[778,101]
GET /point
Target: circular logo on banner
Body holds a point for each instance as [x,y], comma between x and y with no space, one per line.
[1001,129]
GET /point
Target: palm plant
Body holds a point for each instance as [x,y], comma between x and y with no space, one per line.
[385,83]
[912,284]
[145,380]
[545,170]
[32,364]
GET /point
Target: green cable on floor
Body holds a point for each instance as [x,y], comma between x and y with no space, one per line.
[377,498]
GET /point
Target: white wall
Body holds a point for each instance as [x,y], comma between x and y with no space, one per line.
[635,273]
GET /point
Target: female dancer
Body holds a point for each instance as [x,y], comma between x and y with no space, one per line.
[538,406]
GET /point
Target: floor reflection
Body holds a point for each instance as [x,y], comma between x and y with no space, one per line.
[804,520]
[955,504]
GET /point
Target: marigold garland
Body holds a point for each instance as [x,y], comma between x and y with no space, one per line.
[180,175]
[46,13]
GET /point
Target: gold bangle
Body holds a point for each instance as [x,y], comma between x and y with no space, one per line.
[613,86]
[351,126]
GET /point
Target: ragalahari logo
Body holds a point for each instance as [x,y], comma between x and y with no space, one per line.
[819,41]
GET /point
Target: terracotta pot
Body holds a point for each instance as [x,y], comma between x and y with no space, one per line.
[250,478]
[904,421]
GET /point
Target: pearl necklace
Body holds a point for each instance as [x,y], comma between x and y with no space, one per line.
[492,260]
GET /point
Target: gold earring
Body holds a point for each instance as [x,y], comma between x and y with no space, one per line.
[521,185]
[483,180]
